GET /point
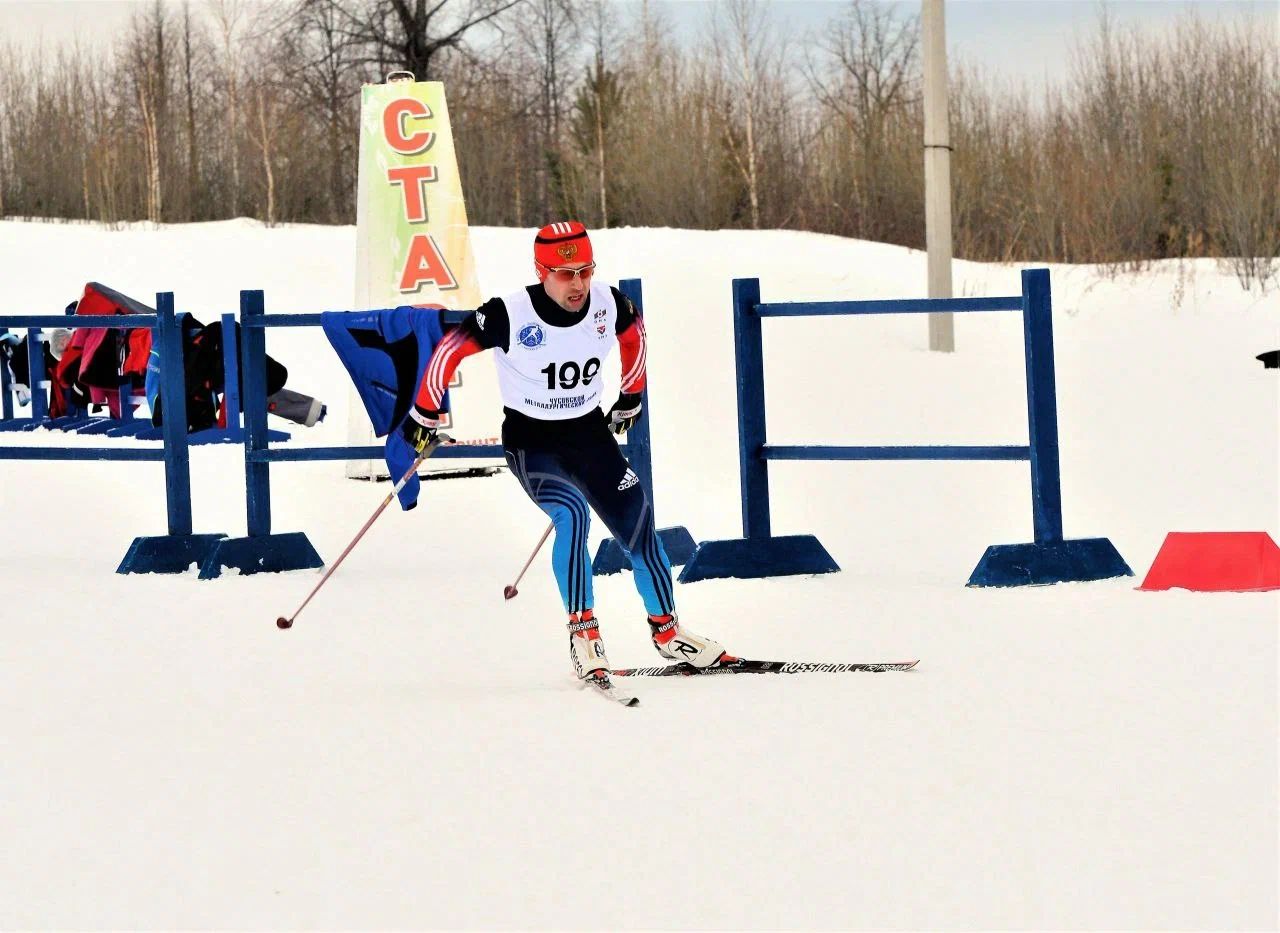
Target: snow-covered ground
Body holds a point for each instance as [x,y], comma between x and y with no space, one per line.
[414,754]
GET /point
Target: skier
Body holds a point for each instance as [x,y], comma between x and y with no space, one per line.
[553,338]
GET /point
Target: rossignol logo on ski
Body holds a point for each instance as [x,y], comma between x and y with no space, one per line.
[628,481]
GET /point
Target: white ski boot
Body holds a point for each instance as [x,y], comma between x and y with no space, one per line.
[676,643]
[586,649]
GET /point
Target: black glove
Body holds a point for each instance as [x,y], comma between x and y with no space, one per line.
[420,427]
[625,412]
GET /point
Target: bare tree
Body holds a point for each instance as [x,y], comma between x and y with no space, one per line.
[411,34]
[1244,190]
[7,80]
[263,132]
[148,72]
[750,59]
[866,76]
[595,111]
[601,96]
[546,35]
[191,52]
[492,108]
[317,38]
[229,16]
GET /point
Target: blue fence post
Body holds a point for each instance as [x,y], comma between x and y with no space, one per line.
[1042,406]
[125,395]
[253,357]
[231,375]
[179,549]
[748,346]
[231,394]
[1048,558]
[6,390]
[260,550]
[35,375]
[677,542]
[173,406]
[757,553]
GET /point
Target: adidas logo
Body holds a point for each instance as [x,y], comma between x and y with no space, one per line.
[629,480]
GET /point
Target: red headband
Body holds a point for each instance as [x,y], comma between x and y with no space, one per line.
[558,244]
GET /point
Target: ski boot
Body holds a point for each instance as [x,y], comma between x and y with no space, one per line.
[586,650]
[676,643]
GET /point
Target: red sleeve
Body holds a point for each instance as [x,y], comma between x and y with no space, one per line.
[631,343]
[456,346]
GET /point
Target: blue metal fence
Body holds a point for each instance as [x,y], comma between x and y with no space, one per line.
[79,421]
[1049,558]
[179,549]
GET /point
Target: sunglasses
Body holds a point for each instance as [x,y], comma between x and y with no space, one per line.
[565,274]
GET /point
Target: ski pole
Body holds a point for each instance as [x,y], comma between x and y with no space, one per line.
[510,591]
[282,622]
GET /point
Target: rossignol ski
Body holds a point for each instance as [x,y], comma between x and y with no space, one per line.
[745,666]
[606,688]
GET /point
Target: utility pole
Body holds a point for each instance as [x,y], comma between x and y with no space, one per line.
[937,172]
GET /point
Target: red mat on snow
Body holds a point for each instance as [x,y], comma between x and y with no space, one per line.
[1216,561]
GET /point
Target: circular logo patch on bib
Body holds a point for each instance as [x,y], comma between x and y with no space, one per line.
[531,336]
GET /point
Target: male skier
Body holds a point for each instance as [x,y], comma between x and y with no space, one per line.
[552,339]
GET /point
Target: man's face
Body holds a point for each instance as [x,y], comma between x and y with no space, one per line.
[567,289]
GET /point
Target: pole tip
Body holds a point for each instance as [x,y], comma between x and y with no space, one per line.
[509,592]
[282,622]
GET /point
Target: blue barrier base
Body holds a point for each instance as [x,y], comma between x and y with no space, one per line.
[611,558]
[102,426]
[261,554]
[138,427]
[758,557]
[1054,562]
[167,553]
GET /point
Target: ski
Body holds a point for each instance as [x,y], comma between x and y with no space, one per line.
[745,666]
[606,688]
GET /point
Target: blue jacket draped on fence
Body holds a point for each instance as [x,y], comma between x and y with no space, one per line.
[385,352]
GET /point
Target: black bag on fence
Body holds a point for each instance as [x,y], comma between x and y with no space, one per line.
[13,352]
[206,375]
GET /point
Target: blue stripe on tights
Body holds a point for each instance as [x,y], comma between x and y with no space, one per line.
[579,519]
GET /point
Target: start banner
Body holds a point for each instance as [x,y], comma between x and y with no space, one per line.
[413,246]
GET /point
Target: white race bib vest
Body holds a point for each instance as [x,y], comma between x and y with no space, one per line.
[553,373]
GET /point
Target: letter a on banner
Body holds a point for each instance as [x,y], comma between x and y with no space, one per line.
[413,246]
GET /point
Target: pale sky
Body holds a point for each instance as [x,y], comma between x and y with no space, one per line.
[1014,40]
[1019,40]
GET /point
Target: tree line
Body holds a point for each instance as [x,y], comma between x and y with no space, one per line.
[1156,147]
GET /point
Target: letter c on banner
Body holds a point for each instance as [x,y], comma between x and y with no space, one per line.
[393,126]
